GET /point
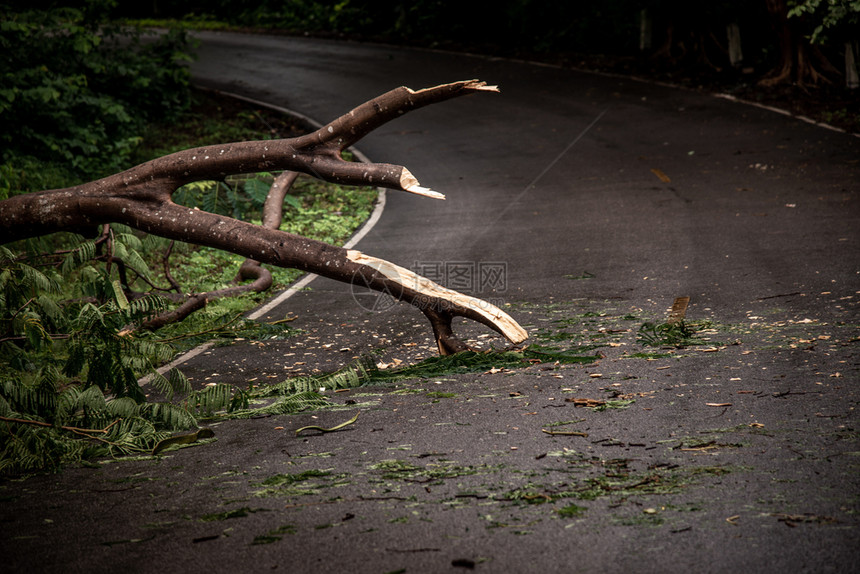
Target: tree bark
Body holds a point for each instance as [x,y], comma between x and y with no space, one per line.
[795,64]
[141,198]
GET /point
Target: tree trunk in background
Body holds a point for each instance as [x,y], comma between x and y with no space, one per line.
[851,79]
[733,34]
[795,64]
[644,30]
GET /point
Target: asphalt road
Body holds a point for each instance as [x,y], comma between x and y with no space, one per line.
[584,205]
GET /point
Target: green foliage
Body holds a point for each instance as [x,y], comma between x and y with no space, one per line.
[102,355]
[239,198]
[301,393]
[69,364]
[830,17]
[70,367]
[75,94]
[680,334]
[571,511]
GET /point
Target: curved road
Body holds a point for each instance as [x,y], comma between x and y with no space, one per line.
[597,200]
[565,172]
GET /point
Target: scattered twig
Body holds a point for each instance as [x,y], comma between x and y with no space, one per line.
[565,433]
[591,403]
[786,393]
[66,428]
[75,430]
[332,429]
[793,520]
[183,439]
[780,295]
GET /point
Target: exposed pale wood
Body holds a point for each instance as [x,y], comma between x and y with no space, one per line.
[141,198]
[410,184]
[679,310]
[492,315]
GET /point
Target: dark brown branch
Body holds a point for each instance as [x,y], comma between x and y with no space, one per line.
[141,198]
[273,208]
[249,270]
[76,430]
[317,154]
[192,303]
[165,262]
[262,281]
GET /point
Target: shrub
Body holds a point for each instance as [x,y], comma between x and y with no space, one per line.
[77,93]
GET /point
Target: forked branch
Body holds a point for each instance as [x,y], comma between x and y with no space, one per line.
[141,198]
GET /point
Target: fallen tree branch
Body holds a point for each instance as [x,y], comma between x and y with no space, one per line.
[141,198]
[251,269]
[76,430]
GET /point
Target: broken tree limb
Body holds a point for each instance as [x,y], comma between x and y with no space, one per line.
[141,198]
[250,270]
[273,207]
[317,154]
[441,304]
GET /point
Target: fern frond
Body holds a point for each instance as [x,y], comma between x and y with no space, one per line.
[209,400]
[171,417]
[257,190]
[6,256]
[91,400]
[123,407]
[47,379]
[288,404]
[352,375]
[179,382]
[49,308]
[85,251]
[119,294]
[162,385]
[208,198]
[127,237]
[5,408]
[24,398]
[134,259]
[152,243]
[132,435]
[34,279]
[31,326]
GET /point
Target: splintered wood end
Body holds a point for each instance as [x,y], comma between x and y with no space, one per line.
[502,322]
[482,86]
[476,85]
[410,184]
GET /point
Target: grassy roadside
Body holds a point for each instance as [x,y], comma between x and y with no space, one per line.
[315,209]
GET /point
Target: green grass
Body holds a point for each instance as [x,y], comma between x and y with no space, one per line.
[678,335]
[298,484]
[317,210]
[274,535]
[571,511]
